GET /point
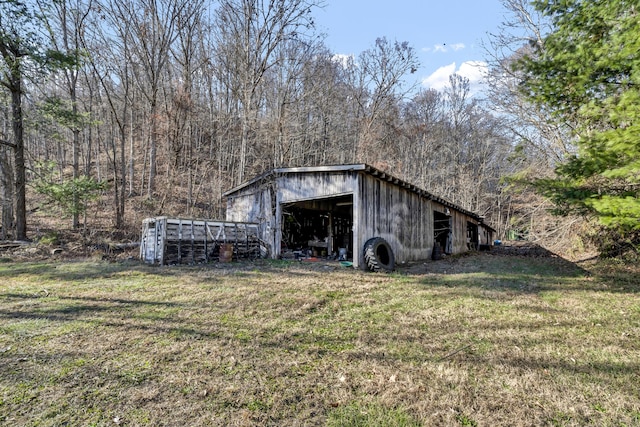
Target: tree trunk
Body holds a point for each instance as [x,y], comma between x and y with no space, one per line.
[123,178]
[76,167]
[153,154]
[18,135]
[6,179]
[243,149]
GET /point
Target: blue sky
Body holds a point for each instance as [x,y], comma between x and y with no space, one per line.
[446,34]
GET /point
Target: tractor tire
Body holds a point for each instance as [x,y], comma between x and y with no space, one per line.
[378,255]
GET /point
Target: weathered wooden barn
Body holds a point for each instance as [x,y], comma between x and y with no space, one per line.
[341,210]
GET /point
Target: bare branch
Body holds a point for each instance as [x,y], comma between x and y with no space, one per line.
[7,143]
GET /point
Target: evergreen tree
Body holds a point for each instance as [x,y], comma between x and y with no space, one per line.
[586,72]
[23,54]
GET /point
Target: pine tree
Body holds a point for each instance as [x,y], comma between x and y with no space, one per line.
[587,73]
[23,55]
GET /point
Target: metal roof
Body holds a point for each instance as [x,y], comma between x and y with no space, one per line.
[359,167]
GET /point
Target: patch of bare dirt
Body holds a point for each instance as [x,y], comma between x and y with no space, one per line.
[521,248]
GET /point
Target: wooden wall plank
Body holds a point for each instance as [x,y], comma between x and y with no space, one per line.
[405,219]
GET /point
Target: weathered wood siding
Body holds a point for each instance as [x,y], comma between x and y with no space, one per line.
[485,235]
[296,187]
[403,218]
[191,241]
[459,230]
[255,204]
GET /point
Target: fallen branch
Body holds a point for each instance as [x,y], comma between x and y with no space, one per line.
[123,246]
[7,143]
[454,352]
[12,245]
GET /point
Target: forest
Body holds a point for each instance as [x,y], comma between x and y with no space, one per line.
[115,110]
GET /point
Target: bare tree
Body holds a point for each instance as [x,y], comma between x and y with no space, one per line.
[65,27]
[249,33]
[109,44]
[154,26]
[184,132]
[285,99]
[379,75]
[327,113]
[424,124]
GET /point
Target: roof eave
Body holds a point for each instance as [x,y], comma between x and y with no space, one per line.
[359,167]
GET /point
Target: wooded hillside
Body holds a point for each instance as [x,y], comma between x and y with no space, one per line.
[135,108]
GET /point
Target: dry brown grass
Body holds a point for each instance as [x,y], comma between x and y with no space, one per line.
[476,341]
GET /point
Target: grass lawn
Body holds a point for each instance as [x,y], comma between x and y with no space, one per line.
[480,340]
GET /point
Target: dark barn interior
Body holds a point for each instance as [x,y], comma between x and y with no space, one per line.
[472,236]
[318,228]
[442,232]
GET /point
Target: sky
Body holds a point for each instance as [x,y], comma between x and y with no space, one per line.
[446,34]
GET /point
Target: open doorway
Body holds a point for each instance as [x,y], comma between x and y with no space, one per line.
[442,236]
[318,228]
[472,236]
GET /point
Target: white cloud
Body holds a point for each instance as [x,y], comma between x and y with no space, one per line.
[444,48]
[475,71]
[342,59]
[439,79]
[440,48]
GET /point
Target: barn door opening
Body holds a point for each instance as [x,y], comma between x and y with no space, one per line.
[472,236]
[442,235]
[318,228]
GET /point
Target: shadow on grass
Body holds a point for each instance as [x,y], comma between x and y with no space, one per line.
[525,274]
[611,275]
[105,312]
[88,270]
[15,296]
[80,270]
[590,369]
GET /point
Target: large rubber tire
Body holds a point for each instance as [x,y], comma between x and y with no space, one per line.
[378,255]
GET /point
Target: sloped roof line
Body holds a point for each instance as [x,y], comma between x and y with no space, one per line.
[253,180]
[422,192]
[378,173]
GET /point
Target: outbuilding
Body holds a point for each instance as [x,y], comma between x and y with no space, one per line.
[356,212]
